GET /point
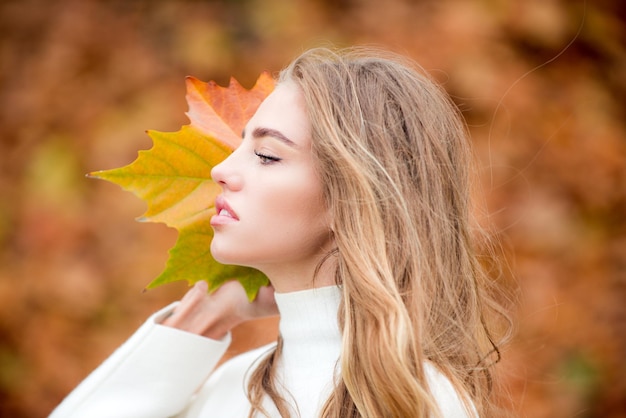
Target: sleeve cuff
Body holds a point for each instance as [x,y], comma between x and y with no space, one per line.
[154,373]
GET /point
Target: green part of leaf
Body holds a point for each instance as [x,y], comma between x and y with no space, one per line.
[191,260]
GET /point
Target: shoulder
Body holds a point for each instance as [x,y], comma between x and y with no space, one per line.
[449,400]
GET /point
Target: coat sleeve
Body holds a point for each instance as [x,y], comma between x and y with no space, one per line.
[154,374]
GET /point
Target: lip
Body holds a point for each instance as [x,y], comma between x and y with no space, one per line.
[222,205]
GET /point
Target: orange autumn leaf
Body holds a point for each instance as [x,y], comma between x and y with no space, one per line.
[174,179]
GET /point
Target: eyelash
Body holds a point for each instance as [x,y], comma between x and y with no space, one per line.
[266,159]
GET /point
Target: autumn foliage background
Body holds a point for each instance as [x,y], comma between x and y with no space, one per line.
[541,83]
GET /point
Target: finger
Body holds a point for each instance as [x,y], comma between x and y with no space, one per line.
[197,291]
[190,302]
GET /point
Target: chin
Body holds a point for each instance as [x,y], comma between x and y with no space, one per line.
[219,254]
[224,256]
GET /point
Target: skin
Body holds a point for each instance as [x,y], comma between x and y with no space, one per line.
[271,216]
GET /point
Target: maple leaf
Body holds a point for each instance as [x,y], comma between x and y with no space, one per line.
[174,179]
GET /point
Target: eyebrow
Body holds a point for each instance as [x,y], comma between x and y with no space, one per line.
[273,133]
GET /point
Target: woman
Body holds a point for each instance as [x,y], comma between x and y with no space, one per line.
[350,191]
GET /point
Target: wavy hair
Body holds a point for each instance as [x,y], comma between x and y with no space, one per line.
[394,160]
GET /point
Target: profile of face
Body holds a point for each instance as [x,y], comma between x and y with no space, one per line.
[271,214]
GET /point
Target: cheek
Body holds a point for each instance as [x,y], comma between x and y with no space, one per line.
[313,220]
[295,213]
[305,204]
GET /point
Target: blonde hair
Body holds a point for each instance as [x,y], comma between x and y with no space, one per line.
[393,158]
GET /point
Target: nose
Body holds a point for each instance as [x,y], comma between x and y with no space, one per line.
[226,175]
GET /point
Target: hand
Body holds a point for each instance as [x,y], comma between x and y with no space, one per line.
[215,314]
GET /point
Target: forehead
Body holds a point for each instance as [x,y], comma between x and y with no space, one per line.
[284,110]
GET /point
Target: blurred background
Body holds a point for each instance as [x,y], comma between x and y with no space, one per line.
[541,83]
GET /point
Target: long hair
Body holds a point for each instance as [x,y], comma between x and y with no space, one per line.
[394,161]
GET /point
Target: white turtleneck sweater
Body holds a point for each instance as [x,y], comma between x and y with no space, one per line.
[162,372]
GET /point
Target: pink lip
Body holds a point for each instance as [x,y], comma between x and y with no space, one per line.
[222,205]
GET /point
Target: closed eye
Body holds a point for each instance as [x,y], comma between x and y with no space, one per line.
[266,159]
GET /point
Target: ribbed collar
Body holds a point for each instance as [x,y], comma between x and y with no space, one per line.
[308,325]
[311,346]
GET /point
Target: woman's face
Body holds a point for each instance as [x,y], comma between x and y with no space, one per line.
[271,214]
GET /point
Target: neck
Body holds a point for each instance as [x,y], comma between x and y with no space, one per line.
[287,278]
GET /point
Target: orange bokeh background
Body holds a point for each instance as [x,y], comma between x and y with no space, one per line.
[542,85]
